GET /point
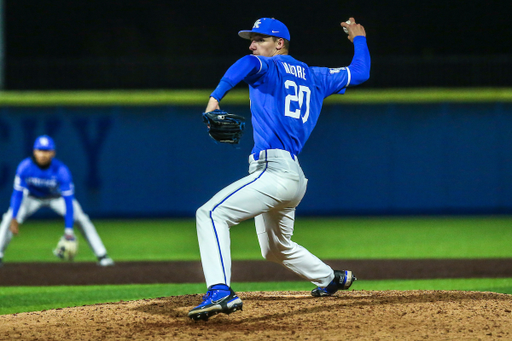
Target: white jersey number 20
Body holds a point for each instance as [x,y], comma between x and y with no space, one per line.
[299,92]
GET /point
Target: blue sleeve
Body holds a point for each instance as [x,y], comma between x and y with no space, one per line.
[19,187]
[68,218]
[67,190]
[360,65]
[66,181]
[244,67]
[19,179]
[16,198]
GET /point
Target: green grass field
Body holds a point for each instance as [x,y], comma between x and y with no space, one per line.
[368,237]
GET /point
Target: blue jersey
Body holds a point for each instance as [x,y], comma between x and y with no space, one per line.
[51,182]
[287,95]
[286,100]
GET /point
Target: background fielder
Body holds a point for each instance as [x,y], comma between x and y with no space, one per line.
[286,97]
[43,181]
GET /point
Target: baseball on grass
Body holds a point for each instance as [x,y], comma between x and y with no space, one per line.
[346,29]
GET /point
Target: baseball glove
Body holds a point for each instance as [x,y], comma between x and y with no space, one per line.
[223,126]
[66,248]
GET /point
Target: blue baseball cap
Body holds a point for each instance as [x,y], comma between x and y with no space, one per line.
[44,142]
[269,27]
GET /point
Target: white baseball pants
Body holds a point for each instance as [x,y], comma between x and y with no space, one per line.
[274,187]
[30,205]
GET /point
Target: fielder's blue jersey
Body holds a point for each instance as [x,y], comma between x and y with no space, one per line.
[48,183]
[51,182]
[287,95]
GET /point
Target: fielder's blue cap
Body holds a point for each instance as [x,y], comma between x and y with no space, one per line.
[44,142]
[269,27]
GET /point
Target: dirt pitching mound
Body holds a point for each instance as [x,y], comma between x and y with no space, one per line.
[353,315]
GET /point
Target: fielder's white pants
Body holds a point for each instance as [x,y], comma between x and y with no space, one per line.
[30,205]
[274,187]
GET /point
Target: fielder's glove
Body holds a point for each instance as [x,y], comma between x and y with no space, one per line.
[67,248]
[223,126]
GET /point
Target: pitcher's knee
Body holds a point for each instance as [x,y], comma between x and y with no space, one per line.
[203,212]
[272,255]
[279,253]
[218,213]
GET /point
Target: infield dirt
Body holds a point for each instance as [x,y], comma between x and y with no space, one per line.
[353,315]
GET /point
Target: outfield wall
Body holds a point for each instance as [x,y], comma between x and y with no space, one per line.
[383,158]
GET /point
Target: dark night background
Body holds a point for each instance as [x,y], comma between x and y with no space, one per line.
[95,44]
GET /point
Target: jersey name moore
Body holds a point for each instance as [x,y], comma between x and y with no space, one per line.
[296,70]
